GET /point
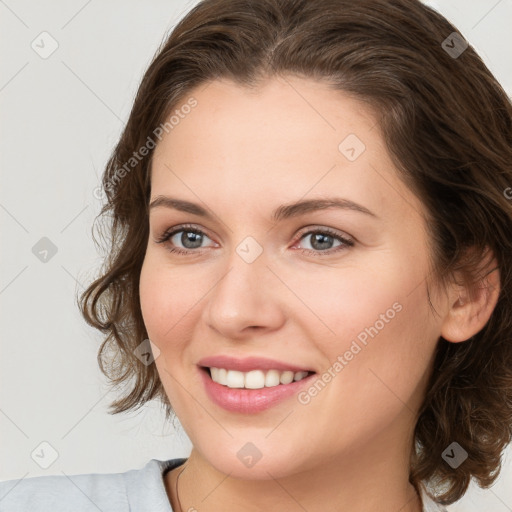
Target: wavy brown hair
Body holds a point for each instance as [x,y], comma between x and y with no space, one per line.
[447,124]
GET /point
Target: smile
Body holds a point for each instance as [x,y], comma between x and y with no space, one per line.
[255,379]
[247,400]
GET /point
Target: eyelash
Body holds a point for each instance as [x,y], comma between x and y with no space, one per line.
[346,242]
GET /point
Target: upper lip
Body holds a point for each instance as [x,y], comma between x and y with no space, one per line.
[249,363]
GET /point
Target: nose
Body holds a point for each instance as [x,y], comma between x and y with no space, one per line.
[247,297]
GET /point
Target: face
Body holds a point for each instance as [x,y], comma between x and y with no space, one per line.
[338,290]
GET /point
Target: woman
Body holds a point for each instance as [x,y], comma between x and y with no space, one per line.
[311,214]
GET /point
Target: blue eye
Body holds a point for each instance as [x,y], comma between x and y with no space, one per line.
[321,237]
[192,238]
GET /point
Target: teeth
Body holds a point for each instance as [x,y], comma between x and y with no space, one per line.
[252,380]
[255,379]
[272,379]
[286,377]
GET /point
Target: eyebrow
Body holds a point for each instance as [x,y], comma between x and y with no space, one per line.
[283,212]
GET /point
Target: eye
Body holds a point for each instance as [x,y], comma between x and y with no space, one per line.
[190,237]
[321,241]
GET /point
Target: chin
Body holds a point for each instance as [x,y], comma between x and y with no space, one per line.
[249,463]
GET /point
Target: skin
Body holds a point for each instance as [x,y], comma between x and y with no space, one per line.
[241,154]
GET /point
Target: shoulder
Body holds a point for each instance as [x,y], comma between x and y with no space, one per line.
[109,492]
[56,493]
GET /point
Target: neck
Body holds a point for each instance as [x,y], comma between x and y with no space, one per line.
[367,479]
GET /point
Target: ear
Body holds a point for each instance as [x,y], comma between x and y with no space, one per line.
[471,306]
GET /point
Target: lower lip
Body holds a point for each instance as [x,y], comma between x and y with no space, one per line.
[249,401]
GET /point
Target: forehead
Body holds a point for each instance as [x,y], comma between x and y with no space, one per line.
[292,135]
[279,113]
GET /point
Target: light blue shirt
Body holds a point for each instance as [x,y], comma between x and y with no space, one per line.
[136,490]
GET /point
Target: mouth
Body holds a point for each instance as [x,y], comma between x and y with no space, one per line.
[254,379]
[248,392]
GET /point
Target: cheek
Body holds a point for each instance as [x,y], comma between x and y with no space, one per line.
[386,348]
[378,321]
[167,297]
[356,301]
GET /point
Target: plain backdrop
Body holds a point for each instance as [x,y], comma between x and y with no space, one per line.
[61,116]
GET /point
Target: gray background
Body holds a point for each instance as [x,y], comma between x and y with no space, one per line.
[61,116]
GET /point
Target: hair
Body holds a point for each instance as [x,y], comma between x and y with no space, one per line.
[447,124]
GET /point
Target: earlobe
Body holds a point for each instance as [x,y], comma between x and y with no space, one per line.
[471,307]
